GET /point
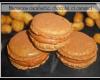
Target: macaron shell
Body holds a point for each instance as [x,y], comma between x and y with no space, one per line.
[75,60]
[48,47]
[82,57]
[21,46]
[41,25]
[30,63]
[27,67]
[79,45]
[43,39]
[78,65]
[20,58]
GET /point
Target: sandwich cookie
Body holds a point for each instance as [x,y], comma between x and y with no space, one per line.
[48,30]
[22,54]
[80,52]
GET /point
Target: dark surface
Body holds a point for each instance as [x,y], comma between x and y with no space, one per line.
[53,67]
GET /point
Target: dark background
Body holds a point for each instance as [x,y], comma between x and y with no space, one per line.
[53,67]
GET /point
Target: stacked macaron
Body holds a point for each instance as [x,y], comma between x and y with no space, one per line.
[49,31]
[22,54]
[80,52]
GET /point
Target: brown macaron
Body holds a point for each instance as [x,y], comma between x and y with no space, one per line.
[22,54]
[80,52]
[50,25]
[50,29]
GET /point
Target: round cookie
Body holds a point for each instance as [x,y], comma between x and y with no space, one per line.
[79,52]
[22,53]
[80,47]
[50,26]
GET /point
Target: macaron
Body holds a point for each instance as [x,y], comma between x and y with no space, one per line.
[22,53]
[79,52]
[51,29]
